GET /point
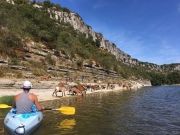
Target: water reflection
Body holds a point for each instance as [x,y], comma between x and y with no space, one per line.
[67,124]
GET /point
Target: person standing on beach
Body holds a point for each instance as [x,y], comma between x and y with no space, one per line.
[23,102]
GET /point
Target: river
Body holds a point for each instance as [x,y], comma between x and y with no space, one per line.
[148,111]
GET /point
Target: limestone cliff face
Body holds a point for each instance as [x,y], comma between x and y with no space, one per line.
[10,1]
[78,24]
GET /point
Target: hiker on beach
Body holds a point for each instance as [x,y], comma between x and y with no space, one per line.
[25,101]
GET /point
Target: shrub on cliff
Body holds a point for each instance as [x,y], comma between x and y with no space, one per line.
[173,77]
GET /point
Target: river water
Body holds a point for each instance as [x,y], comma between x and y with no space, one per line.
[148,111]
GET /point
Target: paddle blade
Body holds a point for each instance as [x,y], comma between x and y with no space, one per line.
[67,110]
[3,106]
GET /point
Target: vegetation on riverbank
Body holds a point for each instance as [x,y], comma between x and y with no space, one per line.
[6,100]
[21,21]
[168,78]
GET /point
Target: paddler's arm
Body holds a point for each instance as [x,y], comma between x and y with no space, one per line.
[38,105]
[14,102]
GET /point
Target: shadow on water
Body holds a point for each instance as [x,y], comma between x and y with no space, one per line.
[148,111]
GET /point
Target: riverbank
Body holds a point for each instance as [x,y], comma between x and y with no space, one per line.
[44,89]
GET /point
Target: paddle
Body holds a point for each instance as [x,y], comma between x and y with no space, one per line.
[64,109]
[3,106]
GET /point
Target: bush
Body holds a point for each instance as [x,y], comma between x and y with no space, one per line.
[2,72]
[47,4]
[14,61]
[9,43]
[50,60]
[66,10]
[39,72]
[6,71]
[21,1]
[79,64]
[19,74]
[6,100]
[173,77]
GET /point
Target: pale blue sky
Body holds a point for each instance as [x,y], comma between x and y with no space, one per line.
[148,30]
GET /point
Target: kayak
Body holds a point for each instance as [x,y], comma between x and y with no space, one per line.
[22,124]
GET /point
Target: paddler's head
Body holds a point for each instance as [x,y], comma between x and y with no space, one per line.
[27,85]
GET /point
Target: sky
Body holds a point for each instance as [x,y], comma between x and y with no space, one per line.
[148,30]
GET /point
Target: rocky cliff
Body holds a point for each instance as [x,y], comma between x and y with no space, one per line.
[78,24]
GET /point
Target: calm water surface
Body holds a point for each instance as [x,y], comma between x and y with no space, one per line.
[148,111]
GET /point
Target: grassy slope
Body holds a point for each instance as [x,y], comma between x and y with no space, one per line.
[20,21]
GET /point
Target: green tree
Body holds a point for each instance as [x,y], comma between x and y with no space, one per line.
[173,78]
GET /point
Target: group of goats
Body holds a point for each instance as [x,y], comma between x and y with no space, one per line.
[78,89]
